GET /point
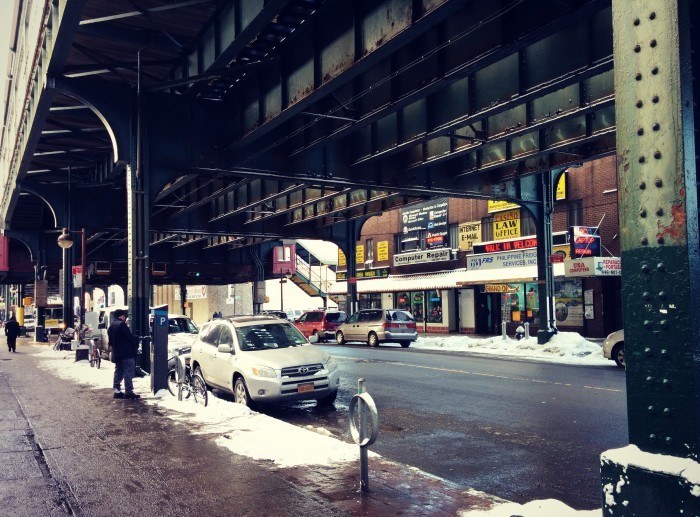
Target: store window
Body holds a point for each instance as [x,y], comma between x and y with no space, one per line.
[369,250]
[532,303]
[487,228]
[527,224]
[403,301]
[417,305]
[434,307]
[370,301]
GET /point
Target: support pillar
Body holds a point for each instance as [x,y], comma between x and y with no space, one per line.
[657,173]
[350,257]
[183,299]
[67,282]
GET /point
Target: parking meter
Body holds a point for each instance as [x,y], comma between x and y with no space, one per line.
[159,349]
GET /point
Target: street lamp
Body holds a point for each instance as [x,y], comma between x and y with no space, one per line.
[283,280]
[65,241]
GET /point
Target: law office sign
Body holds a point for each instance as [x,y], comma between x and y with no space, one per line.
[506,225]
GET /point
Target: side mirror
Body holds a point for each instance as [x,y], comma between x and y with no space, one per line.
[224,349]
[313,338]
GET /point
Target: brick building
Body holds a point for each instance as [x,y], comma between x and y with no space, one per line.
[483,270]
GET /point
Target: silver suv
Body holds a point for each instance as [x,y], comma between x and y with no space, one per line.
[262,359]
[374,326]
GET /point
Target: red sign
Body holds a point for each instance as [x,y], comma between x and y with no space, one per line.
[556,257]
[77,270]
[512,245]
[352,280]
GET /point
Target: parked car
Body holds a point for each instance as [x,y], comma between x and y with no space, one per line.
[374,326]
[295,314]
[264,360]
[320,323]
[277,314]
[614,347]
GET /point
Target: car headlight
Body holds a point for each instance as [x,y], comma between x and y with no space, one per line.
[331,364]
[263,371]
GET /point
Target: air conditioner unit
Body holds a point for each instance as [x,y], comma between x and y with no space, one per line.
[103,268]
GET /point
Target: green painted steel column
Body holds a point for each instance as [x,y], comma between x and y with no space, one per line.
[660,261]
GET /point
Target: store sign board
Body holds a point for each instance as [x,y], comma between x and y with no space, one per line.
[194,292]
[499,288]
[342,262]
[509,259]
[469,234]
[381,272]
[506,225]
[383,250]
[430,217]
[498,206]
[559,241]
[594,266]
[360,254]
[560,192]
[420,257]
[585,241]
[41,288]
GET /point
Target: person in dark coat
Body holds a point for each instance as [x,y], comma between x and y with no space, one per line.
[124,347]
[12,331]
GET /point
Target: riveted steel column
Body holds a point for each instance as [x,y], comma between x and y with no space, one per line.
[138,227]
[660,262]
[545,274]
[350,258]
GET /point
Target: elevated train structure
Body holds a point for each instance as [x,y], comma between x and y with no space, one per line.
[188,137]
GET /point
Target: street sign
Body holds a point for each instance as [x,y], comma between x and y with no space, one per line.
[352,280]
[556,257]
[77,276]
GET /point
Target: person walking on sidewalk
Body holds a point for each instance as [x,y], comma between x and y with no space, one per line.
[12,331]
[124,347]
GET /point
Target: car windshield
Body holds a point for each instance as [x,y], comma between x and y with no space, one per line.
[177,325]
[268,336]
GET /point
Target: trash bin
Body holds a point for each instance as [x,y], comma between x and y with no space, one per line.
[39,334]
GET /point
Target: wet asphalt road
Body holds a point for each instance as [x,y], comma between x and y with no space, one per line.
[519,430]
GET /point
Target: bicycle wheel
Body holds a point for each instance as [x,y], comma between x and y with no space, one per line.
[199,390]
[172,383]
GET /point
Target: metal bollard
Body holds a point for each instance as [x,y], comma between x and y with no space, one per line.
[363,437]
[503,330]
[527,330]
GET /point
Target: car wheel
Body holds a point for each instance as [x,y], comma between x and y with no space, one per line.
[618,354]
[328,399]
[315,333]
[240,393]
[340,338]
[372,339]
[172,382]
[405,344]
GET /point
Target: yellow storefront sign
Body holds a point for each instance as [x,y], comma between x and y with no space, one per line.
[498,206]
[469,233]
[383,250]
[499,288]
[563,250]
[341,258]
[506,225]
[560,192]
[360,254]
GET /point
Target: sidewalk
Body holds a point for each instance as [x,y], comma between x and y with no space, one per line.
[69,449]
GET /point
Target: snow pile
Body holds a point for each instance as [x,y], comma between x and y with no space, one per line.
[685,468]
[564,347]
[281,443]
[544,508]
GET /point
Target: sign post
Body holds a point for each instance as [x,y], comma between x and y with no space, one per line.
[159,349]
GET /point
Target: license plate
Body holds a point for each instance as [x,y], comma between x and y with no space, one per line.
[402,326]
[304,388]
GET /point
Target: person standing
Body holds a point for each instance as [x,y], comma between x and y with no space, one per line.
[12,331]
[124,347]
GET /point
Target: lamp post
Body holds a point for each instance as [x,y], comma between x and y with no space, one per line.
[283,280]
[65,241]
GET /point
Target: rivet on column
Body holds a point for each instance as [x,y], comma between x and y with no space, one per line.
[656,126]
[658,182]
[637,48]
[647,325]
[669,440]
[644,241]
[642,213]
[660,240]
[659,211]
[655,70]
[652,43]
[642,185]
[652,15]
[640,131]
[657,155]
[642,159]
[640,104]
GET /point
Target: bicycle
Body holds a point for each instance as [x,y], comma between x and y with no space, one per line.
[95,354]
[182,382]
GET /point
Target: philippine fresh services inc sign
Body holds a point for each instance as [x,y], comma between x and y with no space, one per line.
[406,259]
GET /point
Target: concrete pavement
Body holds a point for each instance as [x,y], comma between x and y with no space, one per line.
[67,449]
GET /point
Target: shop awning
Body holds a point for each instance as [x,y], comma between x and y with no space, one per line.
[444,280]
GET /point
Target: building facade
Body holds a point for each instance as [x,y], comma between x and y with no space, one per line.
[469,265]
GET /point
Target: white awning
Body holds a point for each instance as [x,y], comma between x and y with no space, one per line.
[445,280]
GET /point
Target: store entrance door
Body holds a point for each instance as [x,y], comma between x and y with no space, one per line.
[494,300]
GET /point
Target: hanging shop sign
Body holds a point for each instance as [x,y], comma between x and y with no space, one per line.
[469,234]
[420,257]
[430,217]
[506,225]
[342,262]
[594,266]
[510,259]
[499,206]
[383,250]
[585,241]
